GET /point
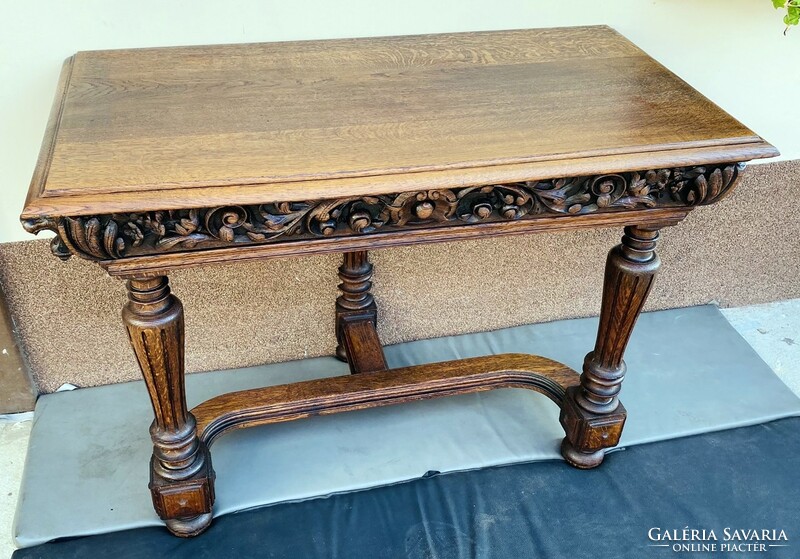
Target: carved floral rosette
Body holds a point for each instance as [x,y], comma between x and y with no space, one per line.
[113,236]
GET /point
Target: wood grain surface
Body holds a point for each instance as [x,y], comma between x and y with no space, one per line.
[136,130]
[287,402]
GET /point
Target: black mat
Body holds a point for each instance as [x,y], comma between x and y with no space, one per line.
[742,479]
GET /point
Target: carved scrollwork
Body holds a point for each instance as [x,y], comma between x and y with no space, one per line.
[702,185]
[115,236]
[505,201]
[38,224]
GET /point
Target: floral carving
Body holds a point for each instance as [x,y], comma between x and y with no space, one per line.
[118,235]
[421,207]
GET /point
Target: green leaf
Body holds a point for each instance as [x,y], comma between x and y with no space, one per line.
[779,3]
[792,17]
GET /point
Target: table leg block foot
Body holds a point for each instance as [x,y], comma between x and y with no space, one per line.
[185,505]
[588,433]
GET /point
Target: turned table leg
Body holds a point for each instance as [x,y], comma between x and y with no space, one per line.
[357,316]
[592,415]
[181,477]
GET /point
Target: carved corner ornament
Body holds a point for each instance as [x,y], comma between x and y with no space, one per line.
[113,236]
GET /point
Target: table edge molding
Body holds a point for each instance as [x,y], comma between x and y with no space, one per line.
[120,236]
[88,205]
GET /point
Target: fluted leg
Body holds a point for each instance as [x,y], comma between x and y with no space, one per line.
[181,477]
[592,415]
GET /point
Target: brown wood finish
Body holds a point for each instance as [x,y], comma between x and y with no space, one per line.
[181,478]
[158,264]
[158,124]
[163,159]
[115,236]
[630,270]
[357,316]
[593,164]
[287,402]
[362,347]
[594,418]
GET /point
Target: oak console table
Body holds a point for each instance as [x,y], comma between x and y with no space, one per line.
[167,158]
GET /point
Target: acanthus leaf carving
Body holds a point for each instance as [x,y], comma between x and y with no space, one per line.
[113,236]
[702,185]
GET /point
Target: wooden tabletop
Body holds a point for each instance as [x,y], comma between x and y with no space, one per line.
[146,129]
